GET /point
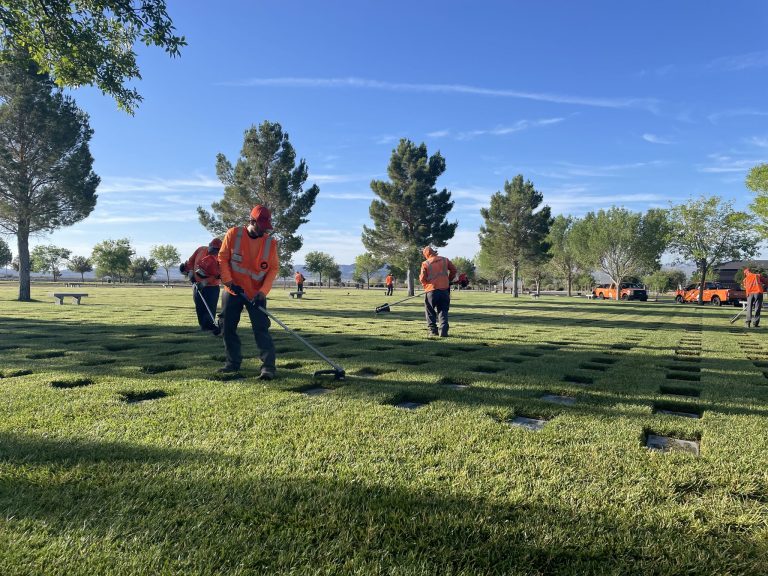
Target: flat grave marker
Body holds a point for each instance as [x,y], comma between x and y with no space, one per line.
[534,424]
[669,444]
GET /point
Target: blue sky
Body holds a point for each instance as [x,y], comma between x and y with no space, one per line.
[598,103]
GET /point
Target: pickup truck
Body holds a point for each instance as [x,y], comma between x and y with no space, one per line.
[629,291]
[714,293]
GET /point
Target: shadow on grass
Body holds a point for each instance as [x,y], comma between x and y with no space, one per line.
[206,513]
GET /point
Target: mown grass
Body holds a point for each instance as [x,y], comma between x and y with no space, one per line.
[122,451]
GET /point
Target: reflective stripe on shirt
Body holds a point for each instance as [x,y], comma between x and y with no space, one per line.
[431,275]
[238,257]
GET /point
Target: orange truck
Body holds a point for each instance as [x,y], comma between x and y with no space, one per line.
[629,291]
[714,293]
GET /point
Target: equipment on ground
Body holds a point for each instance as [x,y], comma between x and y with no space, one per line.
[739,313]
[337,372]
[385,307]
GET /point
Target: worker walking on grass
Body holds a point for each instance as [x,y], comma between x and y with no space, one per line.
[249,265]
[390,284]
[754,285]
[299,277]
[436,276]
[207,287]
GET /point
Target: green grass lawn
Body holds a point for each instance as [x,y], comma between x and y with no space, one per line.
[121,452]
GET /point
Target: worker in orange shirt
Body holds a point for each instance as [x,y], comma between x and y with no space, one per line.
[754,285]
[299,277]
[390,284]
[207,286]
[436,276]
[249,265]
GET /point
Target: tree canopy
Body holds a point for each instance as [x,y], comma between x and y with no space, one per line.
[81,265]
[410,212]
[6,256]
[166,256]
[48,259]
[142,269]
[366,265]
[89,42]
[464,265]
[46,176]
[515,227]
[707,231]
[320,263]
[113,258]
[564,261]
[757,181]
[621,243]
[266,173]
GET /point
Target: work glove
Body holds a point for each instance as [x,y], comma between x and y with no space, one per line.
[236,290]
[260,299]
[200,272]
[183,267]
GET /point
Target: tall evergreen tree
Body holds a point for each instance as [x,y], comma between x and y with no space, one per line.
[515,228]
[266,173]
[46,176]
[411,212]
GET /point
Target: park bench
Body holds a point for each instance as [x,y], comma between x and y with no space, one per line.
[296,294]
[59,297]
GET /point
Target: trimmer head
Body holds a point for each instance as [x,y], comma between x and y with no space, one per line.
[383,308]
[337,374]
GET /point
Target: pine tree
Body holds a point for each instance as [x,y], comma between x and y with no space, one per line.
[411,212]
[266,173]
[515,228]
[46,176]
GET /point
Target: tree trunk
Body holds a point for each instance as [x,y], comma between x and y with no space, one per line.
[515,270]
[82,277]
[618,289]
[702,279]
[168,277]
[570,280]
[409,282]
[25,293]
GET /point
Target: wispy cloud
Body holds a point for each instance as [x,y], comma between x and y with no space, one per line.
[347,196]
[741,61]
[714,118]
[654,139]
[724,164]
[113,184]
[759,142]
[567,170]
[659,71]
[386,139]
[338,178]
[518,126]
[594,101]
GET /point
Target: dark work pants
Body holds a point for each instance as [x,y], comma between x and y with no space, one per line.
[231,309]
[436,304]
[211,295]
[300,287]
[390,288]
[754,301]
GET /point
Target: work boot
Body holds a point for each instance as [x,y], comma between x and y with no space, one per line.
[228,369]
[747,324]
[267,373]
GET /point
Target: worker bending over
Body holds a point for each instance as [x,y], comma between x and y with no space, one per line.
[249,265]
[436,276]
[754,285]
[207,283]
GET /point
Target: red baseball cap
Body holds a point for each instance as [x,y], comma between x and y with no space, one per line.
[262,215]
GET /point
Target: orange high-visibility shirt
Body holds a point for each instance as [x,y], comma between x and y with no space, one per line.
[752,282]
[437,273]
[388,280]
[194,261]
[299,277]
[251,263]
